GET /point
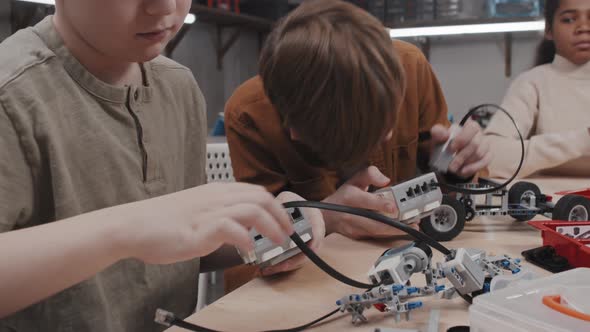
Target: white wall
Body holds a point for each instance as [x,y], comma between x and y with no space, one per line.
[197,51]
[472,70]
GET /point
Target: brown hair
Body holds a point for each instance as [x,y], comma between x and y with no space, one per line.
[331,71]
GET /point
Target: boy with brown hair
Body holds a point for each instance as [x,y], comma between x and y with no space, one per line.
[334,96]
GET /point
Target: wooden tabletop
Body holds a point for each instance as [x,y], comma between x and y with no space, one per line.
[302,296]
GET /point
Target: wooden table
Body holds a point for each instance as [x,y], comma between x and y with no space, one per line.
[302,296]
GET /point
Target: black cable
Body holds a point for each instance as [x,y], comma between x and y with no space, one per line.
[370,215]
[466,297]
[325,267]
[308,325]
[193,327]
[507,182]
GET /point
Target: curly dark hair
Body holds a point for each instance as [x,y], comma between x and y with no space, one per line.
[546,50]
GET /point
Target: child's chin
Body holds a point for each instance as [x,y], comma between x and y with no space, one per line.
[582,59]
[148,54]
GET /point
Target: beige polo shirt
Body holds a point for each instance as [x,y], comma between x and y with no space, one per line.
[71,144]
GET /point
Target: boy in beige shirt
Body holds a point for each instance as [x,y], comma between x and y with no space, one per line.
[92,117]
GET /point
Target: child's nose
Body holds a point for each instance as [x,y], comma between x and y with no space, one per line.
[161,7]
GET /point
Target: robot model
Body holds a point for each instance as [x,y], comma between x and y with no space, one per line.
[470,271]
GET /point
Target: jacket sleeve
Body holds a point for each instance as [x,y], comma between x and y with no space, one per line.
[252,160]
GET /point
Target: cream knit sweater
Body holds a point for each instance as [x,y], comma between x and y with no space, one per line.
[551,105]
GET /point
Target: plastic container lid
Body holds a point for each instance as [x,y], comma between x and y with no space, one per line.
[521,308]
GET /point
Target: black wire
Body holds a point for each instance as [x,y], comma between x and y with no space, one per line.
[327,268]
[308,325]
[466,297]
[193,327]
[507,182]
[374,216]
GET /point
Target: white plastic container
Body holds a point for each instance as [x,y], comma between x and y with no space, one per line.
[521,308]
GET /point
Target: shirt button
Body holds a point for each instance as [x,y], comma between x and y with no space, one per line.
[136,95]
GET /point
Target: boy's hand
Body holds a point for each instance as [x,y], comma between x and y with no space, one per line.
[354,193]
[196,222]
[473,152]
[315,218]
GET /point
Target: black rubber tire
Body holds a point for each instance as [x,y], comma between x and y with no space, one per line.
[519,189]
[566,204]
[515,196]
[427,223]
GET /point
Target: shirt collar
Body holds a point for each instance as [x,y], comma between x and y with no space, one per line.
[48,33]
[571,69]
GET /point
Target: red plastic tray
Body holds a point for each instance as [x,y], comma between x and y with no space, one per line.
[576,251]
[579,192]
